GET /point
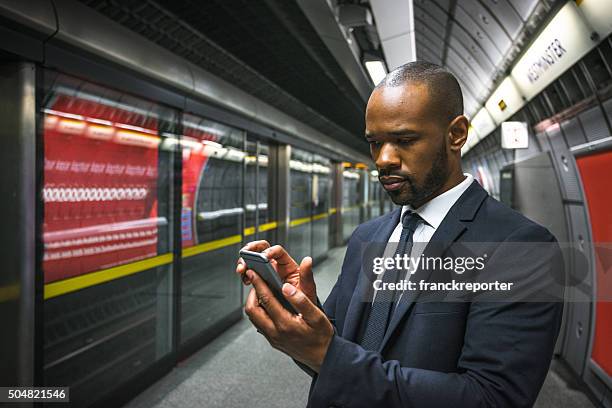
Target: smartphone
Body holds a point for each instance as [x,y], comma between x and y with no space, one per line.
[260,264]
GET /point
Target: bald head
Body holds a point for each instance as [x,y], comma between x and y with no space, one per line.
[442,86]
[415,127]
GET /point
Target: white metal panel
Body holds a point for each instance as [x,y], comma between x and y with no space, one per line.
[399,50]
[395,25]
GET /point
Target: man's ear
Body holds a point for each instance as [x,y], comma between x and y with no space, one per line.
[458,132]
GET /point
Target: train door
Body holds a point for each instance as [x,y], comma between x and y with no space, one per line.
[321,201]
[212,212]
[350,201]
[260,221]
[300,213]
[108,222]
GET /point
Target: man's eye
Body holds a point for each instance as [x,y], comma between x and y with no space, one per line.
[406,142]
[374,143]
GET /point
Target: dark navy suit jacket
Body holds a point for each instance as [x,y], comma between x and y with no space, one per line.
[446,354]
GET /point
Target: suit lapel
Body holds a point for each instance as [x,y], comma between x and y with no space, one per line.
[444,236]
[355,311]
[450,229]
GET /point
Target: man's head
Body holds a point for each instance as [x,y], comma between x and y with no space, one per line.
[416,128]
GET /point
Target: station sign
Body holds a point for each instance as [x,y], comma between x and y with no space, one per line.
[563,42]
[599,15]
[514,135]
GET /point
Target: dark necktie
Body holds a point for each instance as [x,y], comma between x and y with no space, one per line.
[382,305]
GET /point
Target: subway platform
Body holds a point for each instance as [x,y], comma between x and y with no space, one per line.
[239,369]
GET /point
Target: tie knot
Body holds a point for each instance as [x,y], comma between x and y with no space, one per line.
[410,220]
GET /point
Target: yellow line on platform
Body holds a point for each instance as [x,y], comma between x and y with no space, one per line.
[299,221]
[9,292]
[69,285]
[268,226]
[211,245]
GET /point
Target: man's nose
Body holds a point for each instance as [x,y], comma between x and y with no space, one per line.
[387,157]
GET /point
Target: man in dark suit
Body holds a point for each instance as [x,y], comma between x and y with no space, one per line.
[373,347]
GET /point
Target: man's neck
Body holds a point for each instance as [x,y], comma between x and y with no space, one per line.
[452,181]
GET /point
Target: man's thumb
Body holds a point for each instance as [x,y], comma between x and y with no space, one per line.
[300,302]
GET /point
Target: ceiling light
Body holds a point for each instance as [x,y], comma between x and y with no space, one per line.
[376,70]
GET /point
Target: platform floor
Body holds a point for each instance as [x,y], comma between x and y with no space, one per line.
[239,369]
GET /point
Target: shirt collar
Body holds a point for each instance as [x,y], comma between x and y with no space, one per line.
[434,211]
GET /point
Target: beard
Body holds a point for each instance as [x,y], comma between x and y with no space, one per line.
[414,194]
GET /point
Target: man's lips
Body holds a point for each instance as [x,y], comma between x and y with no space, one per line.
[392,183]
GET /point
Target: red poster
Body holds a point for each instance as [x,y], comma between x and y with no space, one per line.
[197,145]
[594,171]
[100,187]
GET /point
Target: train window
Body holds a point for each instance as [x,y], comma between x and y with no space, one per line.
[321,200]
[596,67]
[107,222]
[267,225]
[351,203]
[376,194]
[260,221]
[251,191]
[211,222]
[300,223]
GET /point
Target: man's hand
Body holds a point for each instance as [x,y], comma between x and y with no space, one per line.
[305,337]
[299,276]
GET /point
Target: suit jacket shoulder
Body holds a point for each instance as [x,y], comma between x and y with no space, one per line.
[365,231]
[497,222]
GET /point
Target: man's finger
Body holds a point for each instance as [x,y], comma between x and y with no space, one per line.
[241,269]
[279,255]
[258,316]
[266,299]
[257,246]
[300,302]
[306,276]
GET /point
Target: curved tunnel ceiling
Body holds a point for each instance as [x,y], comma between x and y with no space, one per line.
[472,38]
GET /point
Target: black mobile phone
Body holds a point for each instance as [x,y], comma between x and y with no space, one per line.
[260,264]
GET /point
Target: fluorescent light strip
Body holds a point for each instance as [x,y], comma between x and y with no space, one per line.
[376,70]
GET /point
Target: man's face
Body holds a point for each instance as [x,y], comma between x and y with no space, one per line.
[408,142]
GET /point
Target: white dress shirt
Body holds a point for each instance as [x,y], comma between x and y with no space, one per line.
[432,213]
